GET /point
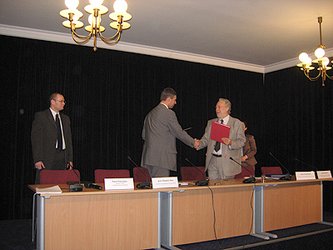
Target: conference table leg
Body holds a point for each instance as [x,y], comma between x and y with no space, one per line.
[259,215]
[287,204]
[40,222]
[165,215]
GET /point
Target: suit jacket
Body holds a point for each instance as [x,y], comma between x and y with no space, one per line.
[44,137]
[234,150]
[250,149]
[160,130]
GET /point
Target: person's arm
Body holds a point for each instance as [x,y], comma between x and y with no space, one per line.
[177,130]
[253,147]
[143,134]
[206,137]
[239,140]
[68,138]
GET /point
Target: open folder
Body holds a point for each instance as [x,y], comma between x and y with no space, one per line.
[219,131]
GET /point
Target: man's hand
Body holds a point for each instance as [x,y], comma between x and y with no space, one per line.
[69,165]
[244,158]
[39,165]
[196,144]
[226,141]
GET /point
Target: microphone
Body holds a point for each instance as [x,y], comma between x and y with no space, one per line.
[199,182]
[94,186]
[312,168]
[131,161]
[74,187]
[306,164]
[287,176]
[142,185]
[251,179]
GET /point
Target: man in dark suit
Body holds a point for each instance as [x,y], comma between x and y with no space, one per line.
[218,162]
[160,130]
[51,137]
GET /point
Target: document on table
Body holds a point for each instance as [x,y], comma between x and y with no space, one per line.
[49,190]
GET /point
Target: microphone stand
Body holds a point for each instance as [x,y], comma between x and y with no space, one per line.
[287,176]
[199,182]
[74,187]
[251,179]
[143,185]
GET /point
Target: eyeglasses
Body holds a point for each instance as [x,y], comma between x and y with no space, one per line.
[62,101]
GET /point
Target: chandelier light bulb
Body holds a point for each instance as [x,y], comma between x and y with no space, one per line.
[319,52]
[325,61]
[302,57]
[96,2]
[91,20]
[120,6]
[308,61]
[72,4]
[94,27]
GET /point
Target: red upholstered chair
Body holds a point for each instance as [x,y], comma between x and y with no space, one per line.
[265,170]
[246,172]
[59,176]
[101,174]
[192,173]
[141,174]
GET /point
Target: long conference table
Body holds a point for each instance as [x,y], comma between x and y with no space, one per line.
[151,218]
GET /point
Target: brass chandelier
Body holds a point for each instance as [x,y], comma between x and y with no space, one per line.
[95,29]
[322,61]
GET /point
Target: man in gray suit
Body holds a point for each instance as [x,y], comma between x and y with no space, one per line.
[160,130]
[51,137]
[218,162]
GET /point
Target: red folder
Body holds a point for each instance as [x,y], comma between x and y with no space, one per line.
[219,131]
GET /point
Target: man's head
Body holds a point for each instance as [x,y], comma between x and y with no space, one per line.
[223,108]
[169,97]
[57,102]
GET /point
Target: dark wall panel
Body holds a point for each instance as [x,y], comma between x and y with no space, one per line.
[108,93]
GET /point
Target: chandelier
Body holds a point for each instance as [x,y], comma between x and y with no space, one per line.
[322,61]
[95,29]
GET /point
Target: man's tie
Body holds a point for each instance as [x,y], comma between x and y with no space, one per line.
[218,144]
[59,133]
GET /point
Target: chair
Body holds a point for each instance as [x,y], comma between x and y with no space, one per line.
[192,173]
[59,176]
[271,170]
[141,174]
[246,172]
[101,174]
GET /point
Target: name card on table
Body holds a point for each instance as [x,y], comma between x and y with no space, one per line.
[165,182]
[118,183]
[305,175]
[324,174]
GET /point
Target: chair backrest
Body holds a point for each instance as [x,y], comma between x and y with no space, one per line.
[141,174]
[271,170]
[192,173]
[101,174]
[59,176]
[246,172]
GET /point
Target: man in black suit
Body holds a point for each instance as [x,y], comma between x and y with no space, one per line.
[51,137]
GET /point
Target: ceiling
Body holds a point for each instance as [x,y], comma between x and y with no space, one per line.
[254,35]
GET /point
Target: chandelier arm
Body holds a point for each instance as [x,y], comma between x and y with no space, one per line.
[79,38]
[113,39]
[329,77]
[112,42]
[311,78]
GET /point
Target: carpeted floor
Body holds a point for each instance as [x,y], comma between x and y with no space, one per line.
[16,235]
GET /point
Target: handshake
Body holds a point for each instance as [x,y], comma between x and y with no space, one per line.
[196,144]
